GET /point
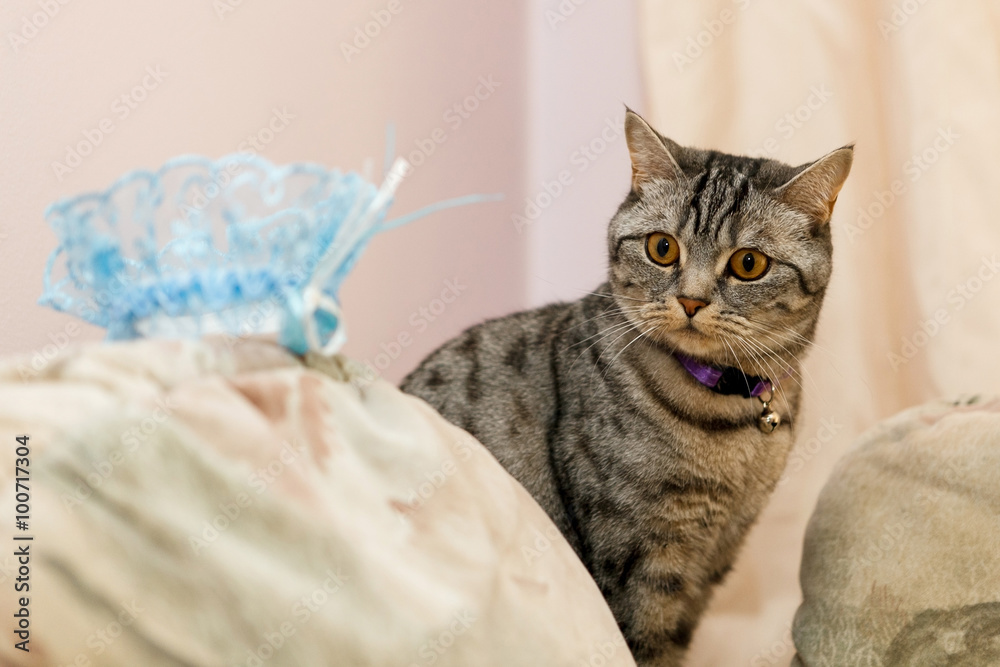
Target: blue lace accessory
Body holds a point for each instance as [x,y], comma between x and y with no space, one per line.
[235,246]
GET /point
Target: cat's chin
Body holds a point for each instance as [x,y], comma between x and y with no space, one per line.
[707,349]
[693,343]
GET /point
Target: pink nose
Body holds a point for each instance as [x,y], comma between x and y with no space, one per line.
[691,306]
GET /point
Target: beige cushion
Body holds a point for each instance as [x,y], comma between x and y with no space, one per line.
[208,504]
[902,555]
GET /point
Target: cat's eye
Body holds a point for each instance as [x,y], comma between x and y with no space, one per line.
[748,264]
[662,248]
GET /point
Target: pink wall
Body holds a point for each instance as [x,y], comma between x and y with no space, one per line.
[584,72]
[223,74]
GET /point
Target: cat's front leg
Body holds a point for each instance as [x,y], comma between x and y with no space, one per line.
[661,597]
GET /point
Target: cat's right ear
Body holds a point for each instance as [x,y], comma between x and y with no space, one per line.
[651,159]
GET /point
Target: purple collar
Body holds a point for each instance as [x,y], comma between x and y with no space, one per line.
[727,380]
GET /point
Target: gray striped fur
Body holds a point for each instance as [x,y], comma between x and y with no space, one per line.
[653,478]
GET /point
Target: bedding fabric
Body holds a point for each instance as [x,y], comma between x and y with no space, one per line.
[225,503]
[901,566]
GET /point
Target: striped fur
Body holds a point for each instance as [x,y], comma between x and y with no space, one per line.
[653,478]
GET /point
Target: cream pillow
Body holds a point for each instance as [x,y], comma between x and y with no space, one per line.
[224,503]
[902,554]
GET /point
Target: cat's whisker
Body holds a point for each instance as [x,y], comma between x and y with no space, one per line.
[740,326]
[746,351]
[833,359]
[784,357]
[802,367]
[744,345]
[784,339]
[605,295]
[658,339]
[611,311]
[799,339]
[625,333]
[642,334]
[736,358]
[719,337]
[742,321]
[631,298]
[762,355]
[738,364]
[779,379]
[601,336]
[772,354]
[755,357]
[610,329]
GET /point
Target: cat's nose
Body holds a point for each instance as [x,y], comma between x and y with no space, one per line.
[691,306]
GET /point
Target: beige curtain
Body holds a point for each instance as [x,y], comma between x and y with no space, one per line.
[913,310]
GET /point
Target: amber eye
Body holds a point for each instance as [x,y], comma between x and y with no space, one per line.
[748,264]
[662,248]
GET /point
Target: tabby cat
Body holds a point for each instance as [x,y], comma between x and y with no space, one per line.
[602,408]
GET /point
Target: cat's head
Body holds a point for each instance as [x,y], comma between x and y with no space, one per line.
[721,257]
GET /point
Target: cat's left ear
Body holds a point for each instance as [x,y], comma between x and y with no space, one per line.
[814,190]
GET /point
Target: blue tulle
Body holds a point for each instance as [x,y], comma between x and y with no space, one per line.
[236,246]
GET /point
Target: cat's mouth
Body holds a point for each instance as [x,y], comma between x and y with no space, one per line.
[687,336]
[699,337]
[694,327]
[694,336]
